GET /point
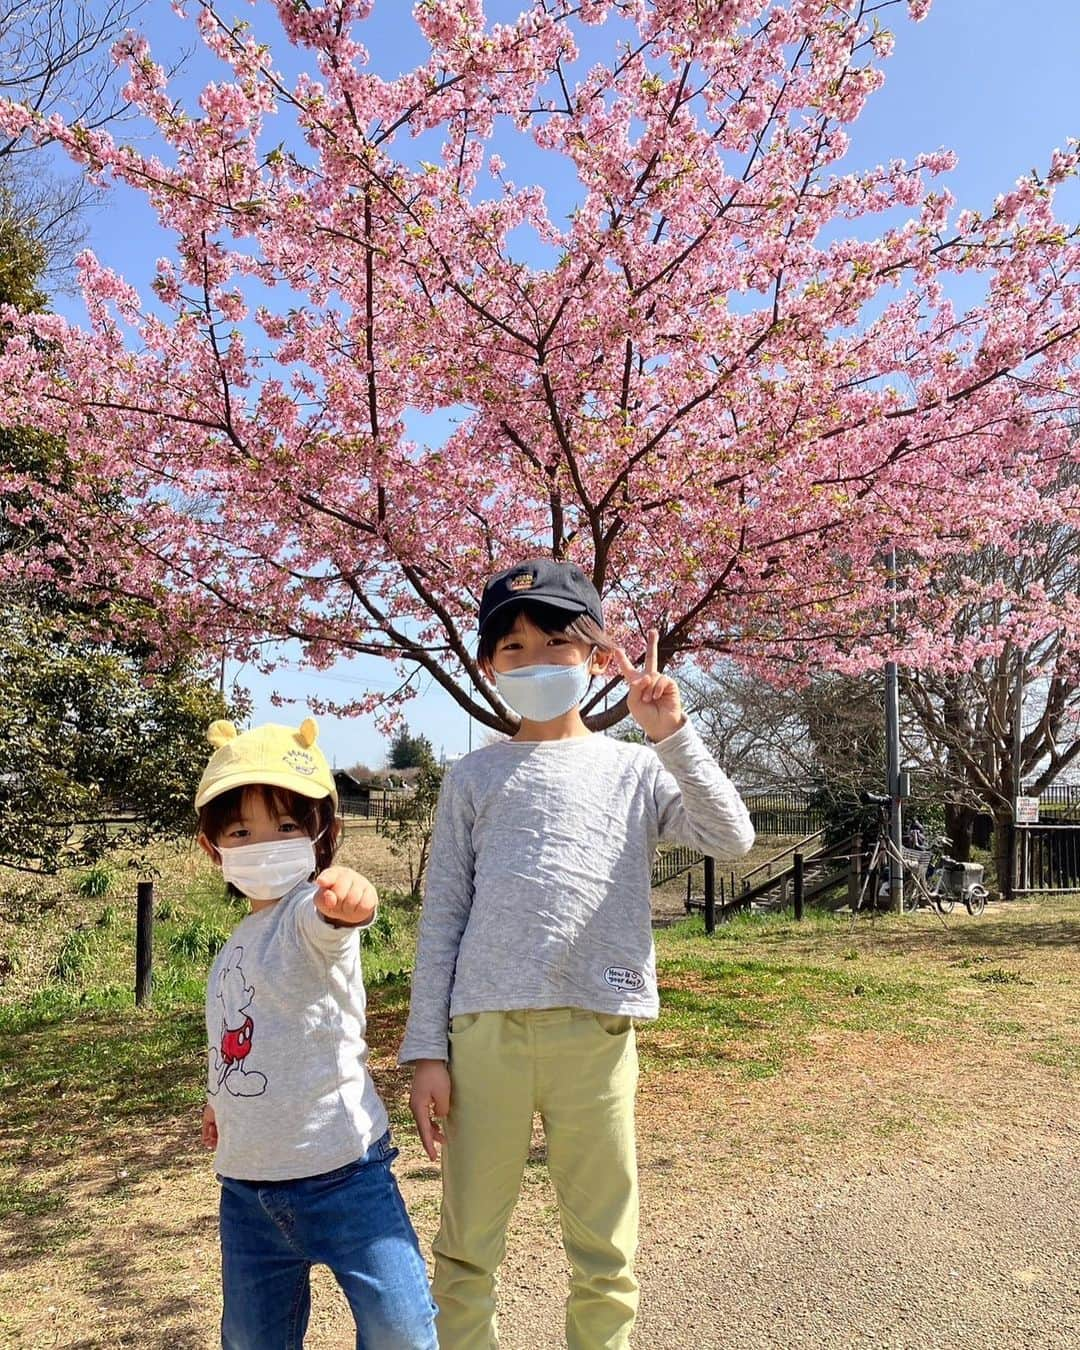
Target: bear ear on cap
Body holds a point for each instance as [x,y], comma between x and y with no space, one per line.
[308,733]
[220,733]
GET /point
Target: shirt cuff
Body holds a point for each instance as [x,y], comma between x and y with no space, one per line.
[321,933]
[340,926]
[684,735]
[409,1054]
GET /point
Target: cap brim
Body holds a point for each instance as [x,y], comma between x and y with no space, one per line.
[571,606]
[279,780]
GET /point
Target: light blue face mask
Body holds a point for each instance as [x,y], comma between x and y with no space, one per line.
[542,693]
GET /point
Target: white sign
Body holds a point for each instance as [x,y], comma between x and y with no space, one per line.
[1026,811]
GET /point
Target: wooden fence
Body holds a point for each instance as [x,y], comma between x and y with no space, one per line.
[787,812]
[369,808]
[1047,858]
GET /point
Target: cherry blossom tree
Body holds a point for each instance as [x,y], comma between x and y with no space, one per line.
[615,245]
[966,721]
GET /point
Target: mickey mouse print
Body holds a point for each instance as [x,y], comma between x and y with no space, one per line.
[229,1061]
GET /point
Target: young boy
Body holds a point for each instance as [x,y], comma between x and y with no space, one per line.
[535,951]
[303,1148]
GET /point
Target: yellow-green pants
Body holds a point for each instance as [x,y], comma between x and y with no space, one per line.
[579,1070]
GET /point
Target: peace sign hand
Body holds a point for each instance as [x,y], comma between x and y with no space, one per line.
[653,699]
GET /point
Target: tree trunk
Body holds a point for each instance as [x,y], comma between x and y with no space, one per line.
[959,825]
[1003,853]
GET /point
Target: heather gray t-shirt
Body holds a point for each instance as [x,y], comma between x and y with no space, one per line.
[538,886]
[285,1018]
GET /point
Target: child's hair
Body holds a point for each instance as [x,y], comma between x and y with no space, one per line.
[314,815]
[549,619]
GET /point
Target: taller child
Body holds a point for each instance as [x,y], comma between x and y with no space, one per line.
[535,951]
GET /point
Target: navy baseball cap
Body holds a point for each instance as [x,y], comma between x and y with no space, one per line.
[541,581]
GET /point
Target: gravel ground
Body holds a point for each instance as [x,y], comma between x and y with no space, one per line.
[934,1252]
[917,1256]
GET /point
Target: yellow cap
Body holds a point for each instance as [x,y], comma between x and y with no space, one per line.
[284,757]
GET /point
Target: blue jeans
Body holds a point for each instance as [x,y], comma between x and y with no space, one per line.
[352,1220]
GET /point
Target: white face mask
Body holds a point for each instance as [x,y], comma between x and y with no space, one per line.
[542,693]
[269,871]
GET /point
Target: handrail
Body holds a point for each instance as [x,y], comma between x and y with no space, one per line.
[838,852]
[797,847]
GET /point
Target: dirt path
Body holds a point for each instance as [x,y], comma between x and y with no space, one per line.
[880,1189]
[916,1255]
[948,1234]
[757,1230]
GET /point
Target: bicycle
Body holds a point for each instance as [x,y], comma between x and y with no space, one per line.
[954,881]
[929,875]
[876,880]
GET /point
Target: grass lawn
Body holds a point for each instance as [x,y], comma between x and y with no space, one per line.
[800,1037]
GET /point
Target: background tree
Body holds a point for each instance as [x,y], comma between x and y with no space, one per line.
[958,726]
[710,384]
[54,58]
[101,734]
[824,738]
[409,829]
[96,754]
[967,719]
[408,751]
[758,731]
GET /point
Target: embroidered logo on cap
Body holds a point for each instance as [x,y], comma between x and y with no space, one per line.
[524,581]
[300,761]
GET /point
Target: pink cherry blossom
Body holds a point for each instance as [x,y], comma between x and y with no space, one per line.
[704,382]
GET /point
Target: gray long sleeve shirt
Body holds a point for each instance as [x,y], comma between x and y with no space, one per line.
[286,1020]
[538,886]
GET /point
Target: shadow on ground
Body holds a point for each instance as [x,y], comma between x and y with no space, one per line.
[95,1104]
[1004,932]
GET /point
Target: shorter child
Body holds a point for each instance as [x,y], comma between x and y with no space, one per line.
[302,1140]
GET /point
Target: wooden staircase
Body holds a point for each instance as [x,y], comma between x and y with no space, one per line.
[770,885]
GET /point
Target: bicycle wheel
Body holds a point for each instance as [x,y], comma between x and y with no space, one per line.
[945,901]
[975,899]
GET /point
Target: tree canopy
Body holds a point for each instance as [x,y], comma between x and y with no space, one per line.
[96,753]
[410,752]
[674,336]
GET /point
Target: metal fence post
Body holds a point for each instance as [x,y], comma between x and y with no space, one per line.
[710,896]
[797,880]
[144,941]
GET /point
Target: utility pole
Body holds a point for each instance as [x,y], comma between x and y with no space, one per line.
[1010,882]
[892,754]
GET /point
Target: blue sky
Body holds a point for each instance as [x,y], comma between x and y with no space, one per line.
[992,79]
